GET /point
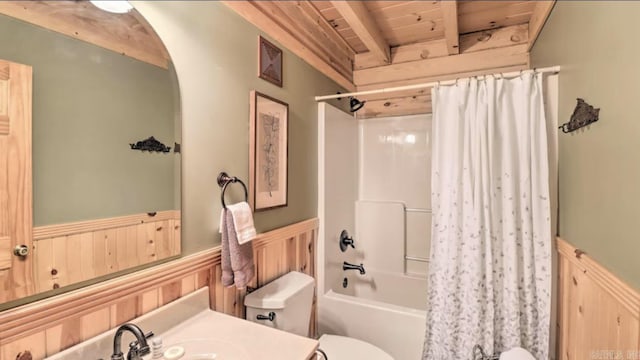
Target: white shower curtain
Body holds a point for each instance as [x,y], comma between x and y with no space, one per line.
[490,270]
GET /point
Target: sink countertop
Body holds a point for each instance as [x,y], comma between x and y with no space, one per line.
[259,342]
[190,318]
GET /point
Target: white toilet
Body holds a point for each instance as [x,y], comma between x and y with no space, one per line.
[285,304]
[517,354]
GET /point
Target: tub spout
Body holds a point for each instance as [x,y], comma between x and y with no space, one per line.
[347,266]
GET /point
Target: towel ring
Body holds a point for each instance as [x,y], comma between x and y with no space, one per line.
[223,180]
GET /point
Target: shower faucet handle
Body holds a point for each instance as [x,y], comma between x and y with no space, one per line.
[345,241]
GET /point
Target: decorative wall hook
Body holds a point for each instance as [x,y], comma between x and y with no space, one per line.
[583,115]
[151,144]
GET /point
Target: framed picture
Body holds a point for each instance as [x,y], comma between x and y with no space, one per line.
[270,62]
[268,152]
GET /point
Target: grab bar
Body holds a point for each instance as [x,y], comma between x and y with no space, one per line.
[415,258]
[418,210]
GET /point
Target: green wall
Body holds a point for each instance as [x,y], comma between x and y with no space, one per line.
[599,168]
[215,54]
[88,105]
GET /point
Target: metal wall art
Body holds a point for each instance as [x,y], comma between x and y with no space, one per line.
[583,115]
[151,145]
[270,62]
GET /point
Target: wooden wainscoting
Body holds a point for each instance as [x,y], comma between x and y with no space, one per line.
[598,315]
[49,326]
[72,252]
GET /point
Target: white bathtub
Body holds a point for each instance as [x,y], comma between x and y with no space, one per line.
[386,310]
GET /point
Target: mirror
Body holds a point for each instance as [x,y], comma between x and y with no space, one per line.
[102,84]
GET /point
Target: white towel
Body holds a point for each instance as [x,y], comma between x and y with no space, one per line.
[243,222]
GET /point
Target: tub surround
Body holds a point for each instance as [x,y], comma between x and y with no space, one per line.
[337,195]
[369,198]
[395,178]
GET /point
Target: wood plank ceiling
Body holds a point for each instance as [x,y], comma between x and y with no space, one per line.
[362,45]
[367,45]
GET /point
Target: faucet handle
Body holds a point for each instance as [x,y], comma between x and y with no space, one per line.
[146,336]
[346,241]
[135,352]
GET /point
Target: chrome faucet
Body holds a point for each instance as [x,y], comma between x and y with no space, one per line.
[347,266]
[137,349]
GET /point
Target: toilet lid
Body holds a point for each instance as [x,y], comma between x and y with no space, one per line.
[346,348]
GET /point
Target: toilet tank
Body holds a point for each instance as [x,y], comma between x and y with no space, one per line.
[289,298]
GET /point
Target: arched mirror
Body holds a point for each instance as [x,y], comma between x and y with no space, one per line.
[106,130]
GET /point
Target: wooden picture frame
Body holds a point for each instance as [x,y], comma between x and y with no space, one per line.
[269,62]
[268,152]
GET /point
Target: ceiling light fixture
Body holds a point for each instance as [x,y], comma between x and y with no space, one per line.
[113,6]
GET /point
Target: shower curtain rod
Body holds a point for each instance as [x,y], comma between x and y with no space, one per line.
[552,69]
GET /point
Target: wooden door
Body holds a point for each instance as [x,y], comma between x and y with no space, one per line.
[16,274]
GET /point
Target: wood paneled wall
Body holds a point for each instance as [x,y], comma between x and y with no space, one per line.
[598,315]
[69,253]
[47,327]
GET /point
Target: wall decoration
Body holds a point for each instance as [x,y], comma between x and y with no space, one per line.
[270,62]
[151,145]
[268,152]
[583,115]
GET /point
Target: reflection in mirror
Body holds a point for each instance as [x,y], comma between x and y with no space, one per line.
[101,82]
